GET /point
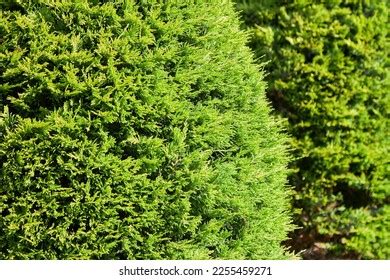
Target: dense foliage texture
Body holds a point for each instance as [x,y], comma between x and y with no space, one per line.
[135,130]
[329,76]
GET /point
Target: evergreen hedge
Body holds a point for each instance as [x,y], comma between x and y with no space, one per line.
[328,65]
[135,130]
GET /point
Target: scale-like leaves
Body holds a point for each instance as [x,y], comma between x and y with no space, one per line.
[135,130]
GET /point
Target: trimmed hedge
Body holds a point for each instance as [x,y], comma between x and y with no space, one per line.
[135,130]
[328,65]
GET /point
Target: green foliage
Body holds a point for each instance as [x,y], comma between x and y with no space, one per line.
[135,130]
[328,64]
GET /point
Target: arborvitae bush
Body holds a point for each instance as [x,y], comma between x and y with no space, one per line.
[135,130]
[328,65]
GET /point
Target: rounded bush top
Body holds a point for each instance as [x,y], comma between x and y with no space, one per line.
[135,130]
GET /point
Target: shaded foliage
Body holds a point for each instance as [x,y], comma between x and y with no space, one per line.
[328,75]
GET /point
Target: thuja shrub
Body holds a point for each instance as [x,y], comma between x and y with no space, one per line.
[136,130]
[328,75]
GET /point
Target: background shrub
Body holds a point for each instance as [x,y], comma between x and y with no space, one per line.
[135,130]
[328,65]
